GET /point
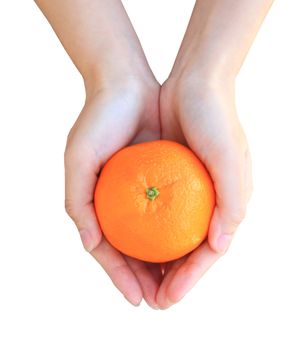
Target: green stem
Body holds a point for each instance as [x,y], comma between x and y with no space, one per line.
[152,193]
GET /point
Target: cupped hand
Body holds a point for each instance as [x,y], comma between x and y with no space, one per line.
[113,117]
[201,114]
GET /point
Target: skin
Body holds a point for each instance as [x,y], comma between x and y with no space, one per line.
[197,105]
[124,105]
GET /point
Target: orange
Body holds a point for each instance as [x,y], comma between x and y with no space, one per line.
[154,201]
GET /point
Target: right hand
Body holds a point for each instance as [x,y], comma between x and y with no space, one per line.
[112,118]
[201,114]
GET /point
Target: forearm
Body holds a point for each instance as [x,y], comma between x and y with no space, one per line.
[219,35]
[98,37]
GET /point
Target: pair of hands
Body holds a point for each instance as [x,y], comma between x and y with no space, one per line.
[199,113]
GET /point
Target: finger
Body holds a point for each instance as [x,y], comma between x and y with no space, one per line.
[157,271]
[228,174]
[189,273]
[146,280]
[170,270]
[80,180]
[119,272]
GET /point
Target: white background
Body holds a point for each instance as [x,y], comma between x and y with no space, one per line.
[53,295]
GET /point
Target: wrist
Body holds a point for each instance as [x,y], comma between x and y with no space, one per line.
[191,78]
[189,85]
[141,86]
[200,70]
[200,56]
[101,78]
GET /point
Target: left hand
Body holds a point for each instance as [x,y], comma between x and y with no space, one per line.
[201,114]
[116,115]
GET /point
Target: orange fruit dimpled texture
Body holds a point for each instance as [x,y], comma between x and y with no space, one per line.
[154,201]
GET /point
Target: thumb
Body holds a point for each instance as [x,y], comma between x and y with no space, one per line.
[80,180]
[230,185]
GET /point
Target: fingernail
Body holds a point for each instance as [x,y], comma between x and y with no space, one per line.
[223,242]
[87,240]
[133,302]
[154,306]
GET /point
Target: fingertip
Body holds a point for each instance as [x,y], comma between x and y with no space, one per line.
[88,227]
[130,289]
[170,270]
[223,242]
[214,231]
[134,300]
[146,275]
[175,294]
[183,282]
[221,232]
[219,242]
[164,302]
[190,273]
[90,239]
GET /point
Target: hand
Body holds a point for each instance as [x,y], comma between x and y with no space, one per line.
[113,117]
[193,111]
[202,115]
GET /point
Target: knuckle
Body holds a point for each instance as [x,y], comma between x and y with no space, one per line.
[69,146]
[67,156]
[70,209]
[232,157]
[238,216]
[233,150]
[67,153]
[69,136]
[76,151]
[71,155]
